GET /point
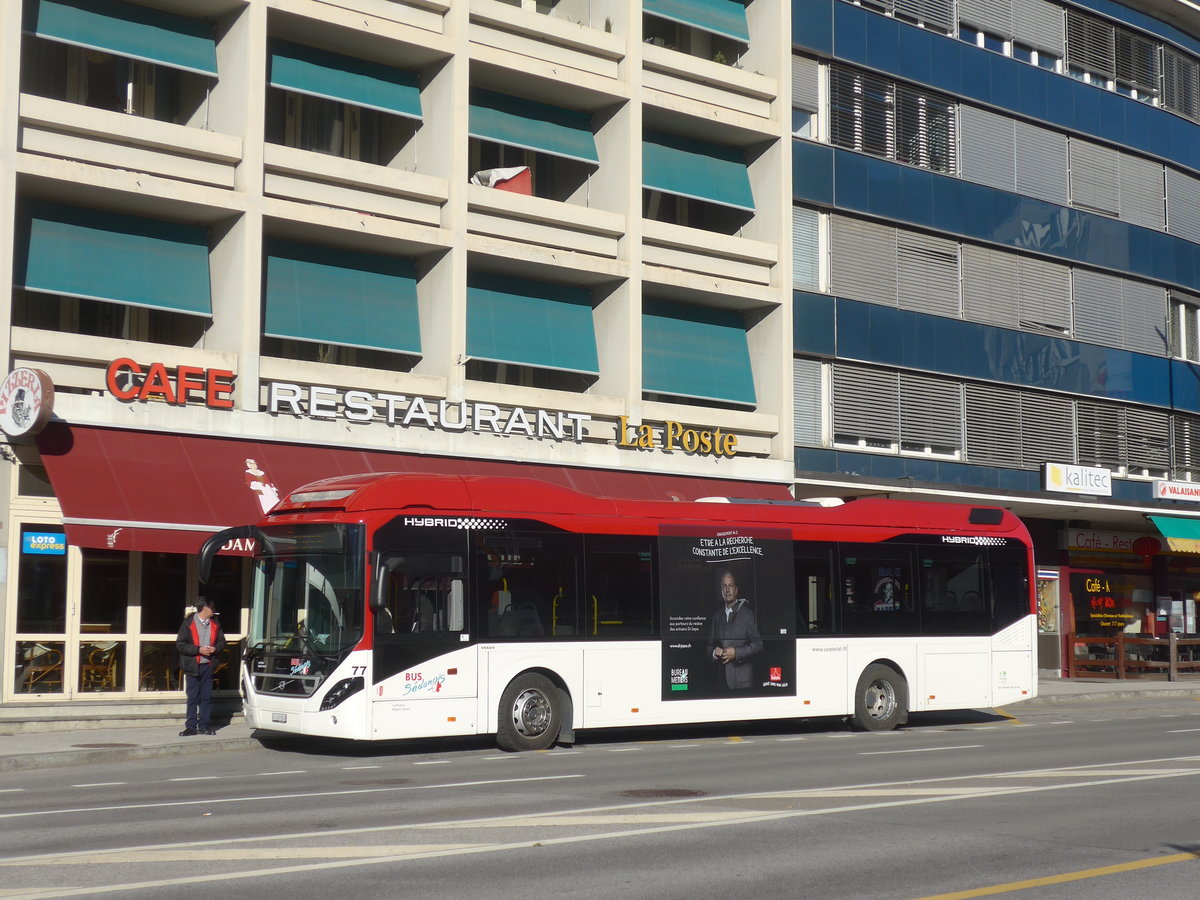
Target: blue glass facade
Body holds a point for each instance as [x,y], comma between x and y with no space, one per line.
[837,179]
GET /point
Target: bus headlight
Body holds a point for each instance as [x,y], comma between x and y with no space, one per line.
[347,687]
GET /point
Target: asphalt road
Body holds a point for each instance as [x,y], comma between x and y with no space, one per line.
[1097,799]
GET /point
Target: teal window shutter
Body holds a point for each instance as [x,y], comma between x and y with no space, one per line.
[696,352]
[724,17]
[136,32]
[695,169]
[360,82]
[99,255]
[531,323]
[331,296]
[533,126]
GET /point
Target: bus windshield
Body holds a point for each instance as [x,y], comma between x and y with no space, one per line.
[308,590]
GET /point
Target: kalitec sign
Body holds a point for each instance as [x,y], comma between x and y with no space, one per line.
[26,402]
[1070,479]
[129,380]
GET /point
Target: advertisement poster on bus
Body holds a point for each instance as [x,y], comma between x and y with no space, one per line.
[728,612]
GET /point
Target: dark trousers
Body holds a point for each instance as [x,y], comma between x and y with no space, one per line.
[199,698]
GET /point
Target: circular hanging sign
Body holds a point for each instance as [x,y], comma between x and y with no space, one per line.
[26,401]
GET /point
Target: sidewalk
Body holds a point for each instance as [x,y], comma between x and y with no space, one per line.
[48,749]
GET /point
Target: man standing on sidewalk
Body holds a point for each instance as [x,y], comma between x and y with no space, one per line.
[199,641]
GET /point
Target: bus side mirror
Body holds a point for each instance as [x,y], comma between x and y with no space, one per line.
[220,539]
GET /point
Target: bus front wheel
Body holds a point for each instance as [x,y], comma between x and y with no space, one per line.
[880,700]
[531,713]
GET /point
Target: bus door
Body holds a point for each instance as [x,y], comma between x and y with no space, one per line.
[421,627]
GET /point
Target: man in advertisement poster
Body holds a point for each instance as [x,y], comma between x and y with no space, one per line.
[735,638]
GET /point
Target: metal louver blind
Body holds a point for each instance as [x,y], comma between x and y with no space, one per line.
[1185,442]
[989,286]
[861,114]
[865,405]
[862,260]
[1044,291]
[931,12]
[1091,43]
[806,268]
[928,273]
[1181,83]
[1039,24]
[1099,434]
[805,93]
[1183,205]
[1099,316]
[993,16]
[1138,60]
[806,402]
[991,414]
[1145,317]
[988,148]
[1047,429]
[930,412]
[1148,439]
[1095,172]
[1041,163]
[1141,191]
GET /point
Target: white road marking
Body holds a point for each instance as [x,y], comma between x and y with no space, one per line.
[1182,730]
[195,778]
[920,750]
[715,820]
[431,762]
[100,784]
[256,799]
[11,790]
[350,768]
[292,772]
[785,740]
[623,749]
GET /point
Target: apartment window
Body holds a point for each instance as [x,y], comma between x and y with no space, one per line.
[554,143]
[90,271]
[937,15]
[710,29]
[1185,444]
[695,183]
[805,96]
[530,333]
[339,105]
[373,323]
[1138,66]
[696,354]
[878,116]
[1181,83]
[1185,326]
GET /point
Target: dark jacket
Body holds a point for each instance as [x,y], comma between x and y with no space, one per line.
[186,642]
[741,633]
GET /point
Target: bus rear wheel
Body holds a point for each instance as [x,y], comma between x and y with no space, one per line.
[531,712]
[880,700]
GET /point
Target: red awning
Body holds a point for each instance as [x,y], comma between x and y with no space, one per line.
[150,490]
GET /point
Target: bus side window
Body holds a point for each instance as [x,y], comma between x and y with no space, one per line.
[528,583]
[423,594]
[877,591]
[814,600]
[952,594]
[1010,586]
[619,580]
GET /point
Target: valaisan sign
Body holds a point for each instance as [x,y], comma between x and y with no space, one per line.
[1177,490]
[1068,479]
[26,402]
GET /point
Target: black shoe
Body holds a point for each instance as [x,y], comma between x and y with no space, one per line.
[205,731]
[188,732]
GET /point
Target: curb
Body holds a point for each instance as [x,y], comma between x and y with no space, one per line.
[1056,699]
[52,759]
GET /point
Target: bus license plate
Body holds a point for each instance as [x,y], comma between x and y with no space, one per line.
[279,717]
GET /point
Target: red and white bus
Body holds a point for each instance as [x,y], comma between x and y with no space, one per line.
[406,606]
